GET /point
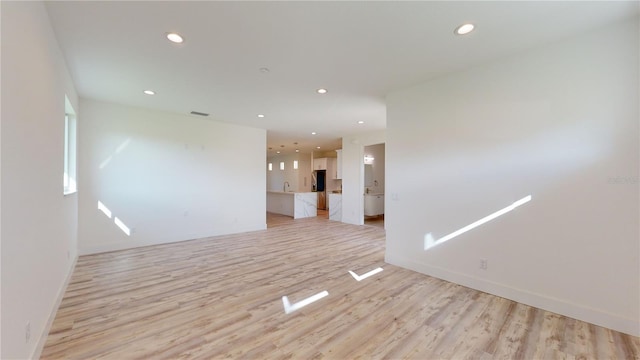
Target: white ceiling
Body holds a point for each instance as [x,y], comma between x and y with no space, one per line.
[359,51]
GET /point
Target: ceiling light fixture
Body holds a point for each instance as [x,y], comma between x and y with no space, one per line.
[297,150]
[360,122]
[149,92]
[317,147]
[464,29]
[322,91]
[260,115]
[313,133]
[175,37]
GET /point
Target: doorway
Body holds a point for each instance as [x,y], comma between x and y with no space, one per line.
[374,185]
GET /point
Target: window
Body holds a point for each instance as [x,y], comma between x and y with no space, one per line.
[282,165]
[270,166]
[295,164]
[69,172]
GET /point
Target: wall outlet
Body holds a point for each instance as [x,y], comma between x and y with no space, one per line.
[483,264]
[27,332]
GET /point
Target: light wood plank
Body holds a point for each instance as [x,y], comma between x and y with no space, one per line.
[221,297]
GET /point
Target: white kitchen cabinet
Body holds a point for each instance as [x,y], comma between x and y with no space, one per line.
[339,164]
[320,164]
[331,168]
[373,204]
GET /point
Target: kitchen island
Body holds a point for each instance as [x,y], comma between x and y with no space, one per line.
[335,206]
[295,204]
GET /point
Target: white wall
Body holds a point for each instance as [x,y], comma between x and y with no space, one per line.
[353,174]
[559,123]
[168,177]
[38,222]
[295,177]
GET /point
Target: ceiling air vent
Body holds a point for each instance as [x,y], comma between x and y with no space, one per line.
[199,113]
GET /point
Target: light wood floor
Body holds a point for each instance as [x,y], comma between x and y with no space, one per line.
[222,298]
[374,220]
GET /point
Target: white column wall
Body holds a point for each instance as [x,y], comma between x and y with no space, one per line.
[353,174]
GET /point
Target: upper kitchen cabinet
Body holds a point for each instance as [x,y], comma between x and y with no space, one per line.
[320,164]
[332,172]
[339,164]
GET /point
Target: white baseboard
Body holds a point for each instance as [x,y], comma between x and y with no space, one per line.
[544,302]
[42,339]
[101,248]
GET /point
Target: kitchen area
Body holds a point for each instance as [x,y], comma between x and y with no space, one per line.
[296,183]
[310,185]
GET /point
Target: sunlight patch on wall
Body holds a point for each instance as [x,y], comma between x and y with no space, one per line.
[430,242]
[122,226]
[105,162]
[119,149]
[104,209]
[123,146]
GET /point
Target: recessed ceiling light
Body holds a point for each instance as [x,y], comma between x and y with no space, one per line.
[297,150]
[313,133]
[149,92]
[175,37]
[317,147]
[360,122]
[322,91]
[260,115]
[464,29]
[277,152]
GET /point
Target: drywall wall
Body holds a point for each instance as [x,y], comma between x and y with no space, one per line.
[353,173]
[38,221]
[559,123]
[165,177]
